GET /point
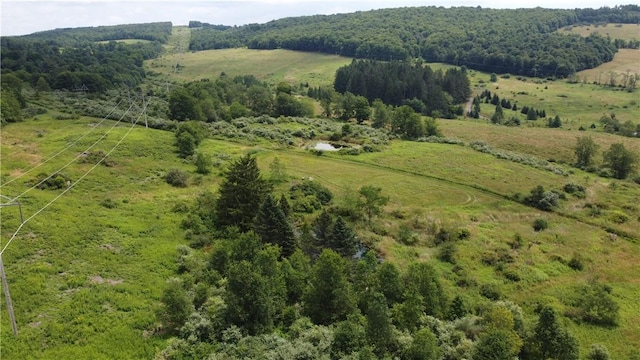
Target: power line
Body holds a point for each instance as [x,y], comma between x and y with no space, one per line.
[61,151]
[71,185]
[77,157]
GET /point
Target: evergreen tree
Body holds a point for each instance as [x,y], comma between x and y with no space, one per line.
[272,226]
[322,226]
[498,115]
[342,239]
[532,114]
[240,195]
[296,270]
[458,309]
[177,305]
[283,203]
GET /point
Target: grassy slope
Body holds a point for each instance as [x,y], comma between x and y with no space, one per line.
[615,31]
[272,66]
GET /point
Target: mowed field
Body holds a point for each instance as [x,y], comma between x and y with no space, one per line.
[614,31]
[271,66]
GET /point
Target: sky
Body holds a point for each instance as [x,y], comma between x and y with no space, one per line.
[21,17]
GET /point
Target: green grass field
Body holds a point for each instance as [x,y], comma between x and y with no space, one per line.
[614,31]
[82,274]
[272,66]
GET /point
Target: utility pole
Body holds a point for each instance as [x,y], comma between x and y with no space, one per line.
[7,295]
[3,274]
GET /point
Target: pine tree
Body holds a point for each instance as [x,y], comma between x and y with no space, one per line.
[272,226]
[342,239]
[241,193]
[322,229]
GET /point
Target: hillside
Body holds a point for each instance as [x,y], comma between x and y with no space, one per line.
[472,237]
[483,39]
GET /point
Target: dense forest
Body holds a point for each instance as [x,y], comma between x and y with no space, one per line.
[159,31]
[399,83]
[520,41]
[79,58]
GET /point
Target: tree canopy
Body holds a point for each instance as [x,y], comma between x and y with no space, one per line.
[491,40]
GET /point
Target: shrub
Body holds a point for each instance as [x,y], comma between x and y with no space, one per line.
[447,253]
[177,178]
[53,182]
[576,262]
[406,235]
[575,189]
[541,199]
[618,217]
[312,188]
[490,291]
[517,242]
[540,224]
[109,203]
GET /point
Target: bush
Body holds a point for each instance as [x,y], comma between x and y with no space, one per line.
[540,224]
[490,291]
[406,235]
[447,253]
[109,203]
[618,217]
[576,262]
[541,199]
[312,188]
[177,178]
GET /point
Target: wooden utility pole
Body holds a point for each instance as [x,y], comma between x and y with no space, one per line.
[7,296]
[3,274]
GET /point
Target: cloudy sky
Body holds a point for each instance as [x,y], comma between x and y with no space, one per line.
[19,17]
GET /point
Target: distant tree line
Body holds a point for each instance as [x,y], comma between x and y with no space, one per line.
[159,31]
[70,58]
[516,41]
[97,66]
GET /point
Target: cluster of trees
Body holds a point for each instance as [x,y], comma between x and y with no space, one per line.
[517,41]
[501,104]
[400,83]
[72,59]
[613,125]
[226,99]
[266,287]
[618,161]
